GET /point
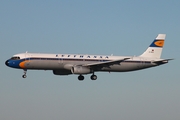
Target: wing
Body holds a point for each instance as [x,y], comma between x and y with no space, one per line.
[105,64]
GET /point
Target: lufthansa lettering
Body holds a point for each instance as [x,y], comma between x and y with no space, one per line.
[82,56]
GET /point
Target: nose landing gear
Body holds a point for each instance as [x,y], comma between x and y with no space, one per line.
[24,76]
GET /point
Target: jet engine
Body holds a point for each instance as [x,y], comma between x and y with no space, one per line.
[80,70]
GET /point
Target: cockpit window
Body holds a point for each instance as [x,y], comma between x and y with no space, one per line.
[15,58]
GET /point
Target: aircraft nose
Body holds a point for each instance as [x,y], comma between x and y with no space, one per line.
[7,62]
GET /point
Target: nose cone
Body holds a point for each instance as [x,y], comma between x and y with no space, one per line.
[7,62]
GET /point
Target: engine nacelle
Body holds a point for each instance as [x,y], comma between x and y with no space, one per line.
[62,72]
[80,70]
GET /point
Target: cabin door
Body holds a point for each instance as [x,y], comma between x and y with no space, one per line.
[142,62]
[28,60]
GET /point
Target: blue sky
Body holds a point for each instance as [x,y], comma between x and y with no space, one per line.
[91,27]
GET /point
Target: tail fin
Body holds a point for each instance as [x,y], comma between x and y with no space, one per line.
[155,49]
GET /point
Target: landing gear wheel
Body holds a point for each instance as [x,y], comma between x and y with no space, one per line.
[93,77]
[25,71]
[24,76]
[80,77]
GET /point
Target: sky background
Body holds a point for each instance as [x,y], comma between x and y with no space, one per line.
[119,27]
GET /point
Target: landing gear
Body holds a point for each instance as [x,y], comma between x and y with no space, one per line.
[93,77]
[24,76]
[80,77]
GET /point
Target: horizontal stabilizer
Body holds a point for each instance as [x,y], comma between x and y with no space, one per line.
[159,62]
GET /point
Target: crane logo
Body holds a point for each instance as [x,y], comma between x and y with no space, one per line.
[159,43]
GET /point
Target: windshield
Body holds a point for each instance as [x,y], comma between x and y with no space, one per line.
[15,58]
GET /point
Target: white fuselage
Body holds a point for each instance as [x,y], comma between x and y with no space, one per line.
[65,64]
[66,61]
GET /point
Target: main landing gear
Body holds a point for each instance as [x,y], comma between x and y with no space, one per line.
[81,77]
[93,77]
[24,76]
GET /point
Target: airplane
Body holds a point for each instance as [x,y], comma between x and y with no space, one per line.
[82,64]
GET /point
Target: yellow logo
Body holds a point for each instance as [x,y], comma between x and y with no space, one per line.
[159,43]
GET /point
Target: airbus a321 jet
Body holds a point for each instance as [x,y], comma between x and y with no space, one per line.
[81,64]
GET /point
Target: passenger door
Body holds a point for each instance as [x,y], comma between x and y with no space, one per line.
[28,61]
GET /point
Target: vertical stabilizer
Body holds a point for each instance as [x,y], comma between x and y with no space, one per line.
[155,49]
